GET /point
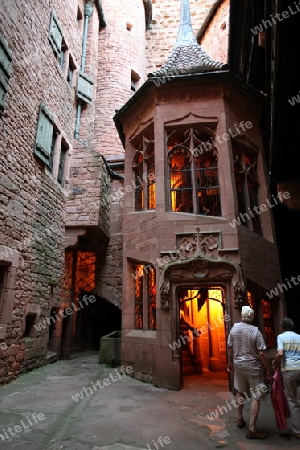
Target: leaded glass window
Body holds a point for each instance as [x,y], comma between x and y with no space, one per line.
[144,174]
[253,185]
[138,297]
[144,297]
[268,323]
[151,187]
[139,187]
[151,299]
[193,172]
[247,187]
[239,174]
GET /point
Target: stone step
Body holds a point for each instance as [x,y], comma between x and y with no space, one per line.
[51,357]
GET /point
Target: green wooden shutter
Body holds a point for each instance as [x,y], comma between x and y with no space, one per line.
[44,135]
[85,87]
[55,33]
[5,70]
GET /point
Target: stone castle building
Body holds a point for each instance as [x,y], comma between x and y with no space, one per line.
[134,187]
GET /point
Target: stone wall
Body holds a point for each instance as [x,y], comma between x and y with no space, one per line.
[214,38]
[121,56]
[88,201]
[110,278]
[32,201]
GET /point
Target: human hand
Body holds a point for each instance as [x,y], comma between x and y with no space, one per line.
[229,367]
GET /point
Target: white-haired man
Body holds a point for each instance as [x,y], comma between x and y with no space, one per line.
[247,356]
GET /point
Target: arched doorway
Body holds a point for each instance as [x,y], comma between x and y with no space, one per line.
[202,321]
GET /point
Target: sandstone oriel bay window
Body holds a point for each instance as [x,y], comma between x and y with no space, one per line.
[144,297]
[144,176]
[193,172]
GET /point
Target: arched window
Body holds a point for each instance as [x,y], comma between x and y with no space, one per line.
[193,172]
[150,169]
[180,179]
[239,174]
[144,296]
[247,186]
[144,169]
[138,181]
[253,185]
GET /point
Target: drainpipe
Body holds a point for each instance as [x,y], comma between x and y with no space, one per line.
[88,9]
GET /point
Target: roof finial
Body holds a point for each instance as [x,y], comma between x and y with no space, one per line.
[185,33]
[187,55]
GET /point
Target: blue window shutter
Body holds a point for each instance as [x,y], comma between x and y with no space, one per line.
[44,135]
[85,87]
[55,33]
[5,70]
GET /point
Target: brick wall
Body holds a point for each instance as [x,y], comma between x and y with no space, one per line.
[110,278]
[32,202]
[215,38]
[88,201]
[121,50]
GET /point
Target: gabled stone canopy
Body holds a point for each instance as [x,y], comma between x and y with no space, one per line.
[187,56]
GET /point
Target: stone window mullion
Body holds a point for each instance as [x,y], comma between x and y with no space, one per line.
[193,177]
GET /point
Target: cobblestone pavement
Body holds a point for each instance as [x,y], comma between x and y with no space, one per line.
[111,411]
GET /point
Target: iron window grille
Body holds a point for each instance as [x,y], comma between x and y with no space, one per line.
[247,187]
[144,297]
[193,172]
[144,175]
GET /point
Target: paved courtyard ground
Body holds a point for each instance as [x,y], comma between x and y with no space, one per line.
[111,411]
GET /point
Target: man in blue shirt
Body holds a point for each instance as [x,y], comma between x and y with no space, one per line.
[288,357]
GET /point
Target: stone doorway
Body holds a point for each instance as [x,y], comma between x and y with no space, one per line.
[202,329]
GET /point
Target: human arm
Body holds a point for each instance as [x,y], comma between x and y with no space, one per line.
[277,358]
[229,359]
[229,353]
[262,354]
[279,355]
[265,362]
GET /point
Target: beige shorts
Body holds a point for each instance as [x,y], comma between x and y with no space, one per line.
[252,386]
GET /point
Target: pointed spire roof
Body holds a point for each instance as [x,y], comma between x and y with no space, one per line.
[187,55]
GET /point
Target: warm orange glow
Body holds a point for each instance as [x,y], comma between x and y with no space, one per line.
[215,293]
[139,270]
[176,182]
[85,272]
[68,279]
[152,196]
[251,299]
[209,319]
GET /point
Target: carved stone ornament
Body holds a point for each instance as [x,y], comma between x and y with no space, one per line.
[200,268]
[198,255]
[239,295]
[164,295]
